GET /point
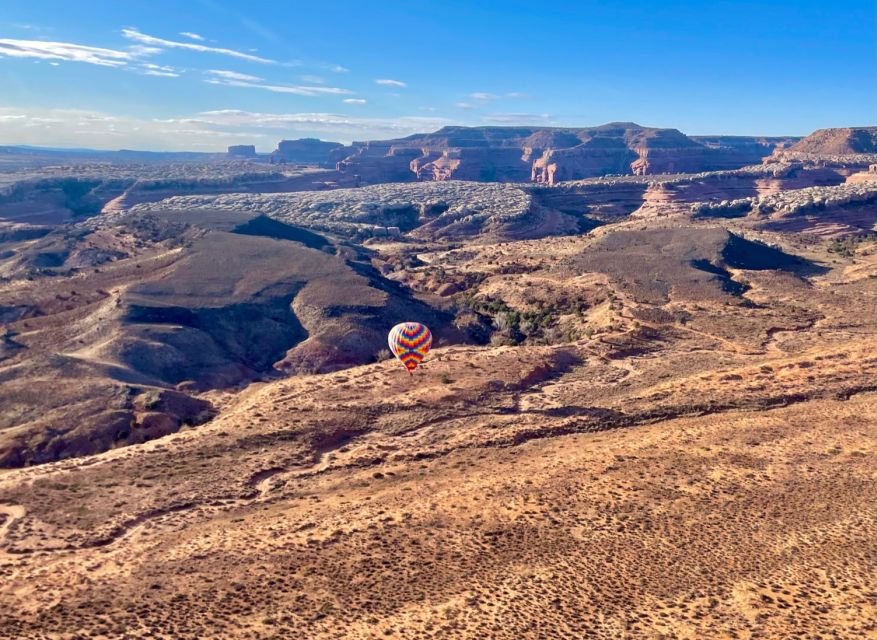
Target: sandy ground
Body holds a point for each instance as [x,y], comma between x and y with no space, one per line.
[504,493]
[698,469]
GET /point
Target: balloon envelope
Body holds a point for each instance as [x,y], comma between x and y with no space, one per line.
[410,342]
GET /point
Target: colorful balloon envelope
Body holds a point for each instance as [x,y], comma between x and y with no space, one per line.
[410,342]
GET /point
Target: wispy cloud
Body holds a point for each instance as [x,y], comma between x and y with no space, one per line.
[65,51]
[386,82]
[343,127]
[235,79]
[208,131]
[78,128]
[192,36]
[465,105]
[161,74]
[355,101]
[482,96]
[233,75]
[162,71]
[137,36]
[337,68]
[311,79]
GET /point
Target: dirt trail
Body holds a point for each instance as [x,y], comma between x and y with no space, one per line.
[10,513]
[119,203]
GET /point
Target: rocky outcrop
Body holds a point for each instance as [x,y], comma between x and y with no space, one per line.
[839,141]
[304,151]
[605,199]
[752,149]
[459,210]
[626,148]
[478,164]
[812,201]
[133,415]
[545,155]
[852,148]
[378,162]
[189,303]
[591,158]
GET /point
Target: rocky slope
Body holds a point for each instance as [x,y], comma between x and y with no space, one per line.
[854,147]
[448,210]
[695,469]
[648,412]
[50,196]
[606,199]
[98,317]
[469,211]
[841,209]
[841,141]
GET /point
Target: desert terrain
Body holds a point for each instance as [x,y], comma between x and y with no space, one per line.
[648,412]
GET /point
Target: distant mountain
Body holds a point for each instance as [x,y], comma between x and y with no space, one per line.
[27,148]
[547,154]
[122,155]
[305,151]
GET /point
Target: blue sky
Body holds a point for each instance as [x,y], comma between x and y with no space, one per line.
[202,74]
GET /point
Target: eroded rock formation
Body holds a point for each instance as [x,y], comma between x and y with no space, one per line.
[546,155]
[242,151]
[304,151]
[851,147]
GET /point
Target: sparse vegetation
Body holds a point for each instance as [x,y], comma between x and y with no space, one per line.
[848,246]
[712,429]
[376,210]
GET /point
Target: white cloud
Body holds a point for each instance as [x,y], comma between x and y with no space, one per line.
[161,74]
[355,101]
[465,105]
[209,130]
[134,34]
[64,51]
[142,51]
[78,128]
[312,79]
[482,96]
[192,36]
[337,68]
[390,83]
[253,82]
[159,70]
[233,75]
[516,94]
[338,126]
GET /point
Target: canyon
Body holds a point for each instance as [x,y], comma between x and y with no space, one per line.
[648,411]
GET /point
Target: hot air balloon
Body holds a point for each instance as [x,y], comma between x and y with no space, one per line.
[410,342]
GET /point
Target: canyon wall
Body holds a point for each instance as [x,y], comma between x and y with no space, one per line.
[546,155]
[304,151]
